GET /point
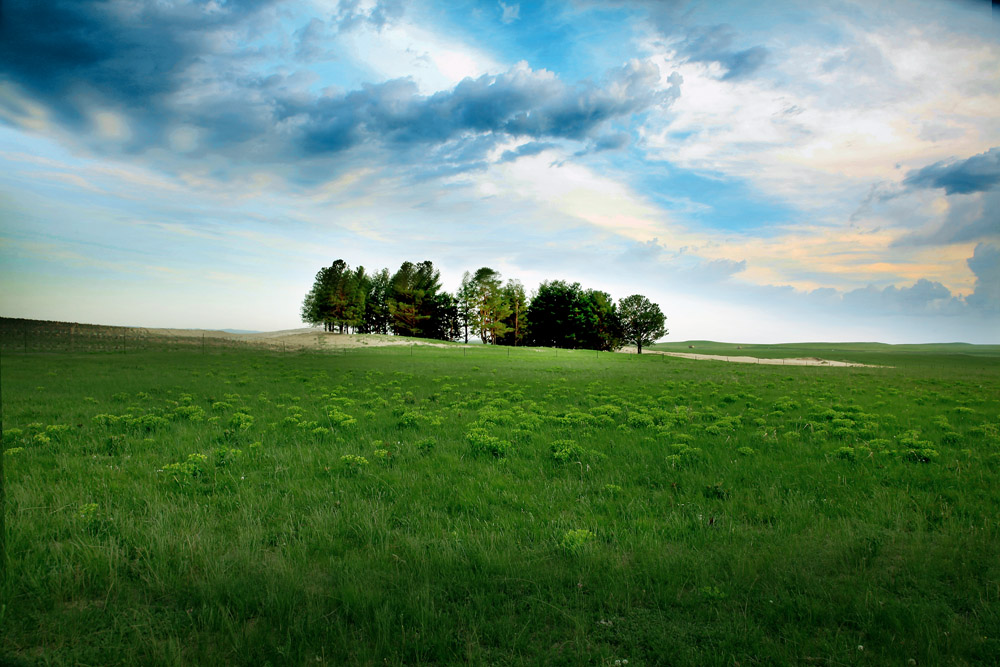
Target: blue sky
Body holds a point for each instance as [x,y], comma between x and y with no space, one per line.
[766,172]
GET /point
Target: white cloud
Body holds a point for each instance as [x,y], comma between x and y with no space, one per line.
[511,12]
[406,49]
[817,128]
[574,194]
[815,119]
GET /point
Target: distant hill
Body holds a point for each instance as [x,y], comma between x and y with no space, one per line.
[716,347]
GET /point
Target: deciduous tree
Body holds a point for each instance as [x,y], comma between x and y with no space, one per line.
[554,315]
[642,321]
[517,321]
[377,318]
[490,308]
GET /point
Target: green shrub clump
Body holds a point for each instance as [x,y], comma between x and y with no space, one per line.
[565,451]
[575,540]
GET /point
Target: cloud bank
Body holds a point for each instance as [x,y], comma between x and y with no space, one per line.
[978,173]
[168,76]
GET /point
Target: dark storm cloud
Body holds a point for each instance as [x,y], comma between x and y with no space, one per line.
[58,50]
[612,141]
[711,44]
[968,219]
[924,296]
[309,40]
[704,44]
[741,64]
[526,150]
[161,65]
[975,174]
[520,102]
[985,264]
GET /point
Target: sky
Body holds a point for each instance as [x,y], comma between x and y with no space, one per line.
[764,171]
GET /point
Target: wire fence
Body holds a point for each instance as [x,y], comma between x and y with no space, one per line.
[33,336]
[18,336]
[36,336]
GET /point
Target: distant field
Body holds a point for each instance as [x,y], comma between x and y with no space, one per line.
[19,335]
[866,353]
[173,504]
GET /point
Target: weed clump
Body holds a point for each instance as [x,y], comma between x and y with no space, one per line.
[482,442]
[192,466]
[575,540]
[565,451]
[715,492]
[846,453]
[353,463]
[240,421]
[683,455]
[925,455]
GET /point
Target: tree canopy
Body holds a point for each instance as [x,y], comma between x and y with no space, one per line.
[642,321]
[411,302]
[337,298]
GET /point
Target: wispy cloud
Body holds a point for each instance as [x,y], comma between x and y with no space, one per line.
[715,45]
[509,13]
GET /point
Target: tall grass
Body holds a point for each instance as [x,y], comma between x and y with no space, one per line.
[398,506]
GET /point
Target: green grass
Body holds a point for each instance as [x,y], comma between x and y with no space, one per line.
[440,506]
[945,354]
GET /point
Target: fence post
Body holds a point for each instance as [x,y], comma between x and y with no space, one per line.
[26,340]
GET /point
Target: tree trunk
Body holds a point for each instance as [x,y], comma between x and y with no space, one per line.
[517,312]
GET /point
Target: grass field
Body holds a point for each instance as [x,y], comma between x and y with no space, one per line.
[488,506]
[920,355]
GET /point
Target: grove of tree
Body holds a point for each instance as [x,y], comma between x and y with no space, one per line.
[411,302]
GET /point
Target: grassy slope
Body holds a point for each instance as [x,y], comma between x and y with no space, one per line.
[760,515]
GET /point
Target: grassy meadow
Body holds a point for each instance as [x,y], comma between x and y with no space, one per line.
[496,507]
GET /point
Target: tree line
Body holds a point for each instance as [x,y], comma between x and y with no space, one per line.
[411,302]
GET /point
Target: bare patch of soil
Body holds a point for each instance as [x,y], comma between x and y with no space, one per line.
[798,361]
[307,337]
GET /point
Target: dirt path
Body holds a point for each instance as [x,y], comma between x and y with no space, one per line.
[317,339]
[798,361]
[298,338]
